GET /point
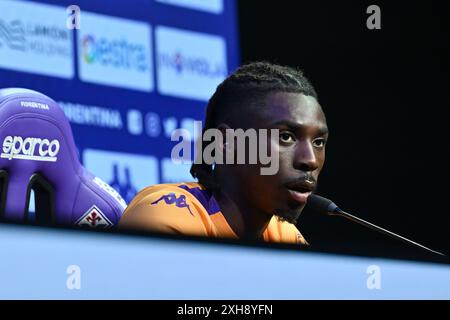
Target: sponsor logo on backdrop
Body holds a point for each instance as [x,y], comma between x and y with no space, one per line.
[119,54]
[94,218]
[171,124]
[125,172]
[30,148]
[185,64]
[152,124]
[135,122]
[213,6]
[92,115]
[189,64]
[115,52]
[34,38]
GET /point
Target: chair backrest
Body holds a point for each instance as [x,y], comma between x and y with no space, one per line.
[39,153]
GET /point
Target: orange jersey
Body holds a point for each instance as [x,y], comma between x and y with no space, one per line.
[189,209]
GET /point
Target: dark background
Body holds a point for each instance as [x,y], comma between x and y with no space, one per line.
[385,94]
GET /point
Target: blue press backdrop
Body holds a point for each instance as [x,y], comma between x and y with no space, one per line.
[133,72]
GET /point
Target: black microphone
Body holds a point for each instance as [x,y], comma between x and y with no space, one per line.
[324,205]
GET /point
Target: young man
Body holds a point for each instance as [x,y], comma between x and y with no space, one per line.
[236,200]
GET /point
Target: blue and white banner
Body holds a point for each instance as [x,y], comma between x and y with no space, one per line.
[126,73]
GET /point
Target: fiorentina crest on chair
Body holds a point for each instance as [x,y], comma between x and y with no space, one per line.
[94,218]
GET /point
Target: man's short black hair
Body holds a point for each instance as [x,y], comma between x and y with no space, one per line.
[244,88]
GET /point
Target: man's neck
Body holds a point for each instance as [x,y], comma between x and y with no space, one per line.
[246,221]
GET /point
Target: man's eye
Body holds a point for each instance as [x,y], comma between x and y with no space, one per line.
[287,137]
[319,143]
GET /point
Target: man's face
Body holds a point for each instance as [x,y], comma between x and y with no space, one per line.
[301,147]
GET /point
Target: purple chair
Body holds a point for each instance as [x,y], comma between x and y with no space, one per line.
[38,153]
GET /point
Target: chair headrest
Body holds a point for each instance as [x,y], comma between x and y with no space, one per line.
[39,152]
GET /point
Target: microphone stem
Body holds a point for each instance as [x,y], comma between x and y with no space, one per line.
[369,225]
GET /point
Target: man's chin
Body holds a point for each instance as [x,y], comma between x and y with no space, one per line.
[289,215]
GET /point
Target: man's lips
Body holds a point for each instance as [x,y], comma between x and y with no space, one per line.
[299,196]
[301,190]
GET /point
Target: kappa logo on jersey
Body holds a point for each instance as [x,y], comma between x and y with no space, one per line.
[30,148]
[94,218]
[171,198]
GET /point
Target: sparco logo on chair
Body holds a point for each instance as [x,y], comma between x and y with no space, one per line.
[30,148]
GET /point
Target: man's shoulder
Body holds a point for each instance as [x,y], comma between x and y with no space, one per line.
[176,194]
[180,187]
[165,206]
[287,232]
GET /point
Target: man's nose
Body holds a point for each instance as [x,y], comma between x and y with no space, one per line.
[305,158]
